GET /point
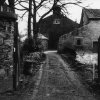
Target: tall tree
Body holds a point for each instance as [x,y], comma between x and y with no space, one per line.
[29,18]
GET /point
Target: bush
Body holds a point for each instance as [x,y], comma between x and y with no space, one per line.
[68,51]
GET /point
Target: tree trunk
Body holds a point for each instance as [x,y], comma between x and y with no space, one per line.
[35,27]
[29,18]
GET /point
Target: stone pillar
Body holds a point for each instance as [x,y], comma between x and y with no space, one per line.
[7,32]
[6,44]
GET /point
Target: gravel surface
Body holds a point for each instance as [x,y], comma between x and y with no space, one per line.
[59,82]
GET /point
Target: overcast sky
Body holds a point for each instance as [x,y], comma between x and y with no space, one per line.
[74,13]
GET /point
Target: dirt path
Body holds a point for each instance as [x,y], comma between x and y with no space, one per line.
[59,82]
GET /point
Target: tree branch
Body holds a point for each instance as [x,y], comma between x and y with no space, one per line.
[47,12]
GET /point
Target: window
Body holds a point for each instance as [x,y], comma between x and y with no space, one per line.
[1,8]
[95,46]
[56,21]
[8,9]
[78,41]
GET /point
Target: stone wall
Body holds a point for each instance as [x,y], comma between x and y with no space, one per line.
[6,44]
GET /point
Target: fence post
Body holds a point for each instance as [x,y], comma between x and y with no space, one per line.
[99,59]
[16,65]
[93,72]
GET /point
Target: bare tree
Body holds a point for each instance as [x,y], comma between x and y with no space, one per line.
[33,7]
[29,18]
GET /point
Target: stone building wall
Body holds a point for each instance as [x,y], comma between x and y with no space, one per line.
[7,31]
[6,44]
[87,35]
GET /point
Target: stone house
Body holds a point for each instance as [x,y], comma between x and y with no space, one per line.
[7,31]
[56,25]
[86,37]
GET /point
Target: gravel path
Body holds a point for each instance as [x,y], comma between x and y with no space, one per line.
[54,81]
[59,82]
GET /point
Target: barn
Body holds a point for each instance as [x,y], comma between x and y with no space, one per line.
[56,25]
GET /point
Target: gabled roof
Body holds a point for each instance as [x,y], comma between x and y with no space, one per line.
[92,13]
[68,22]
[41,36]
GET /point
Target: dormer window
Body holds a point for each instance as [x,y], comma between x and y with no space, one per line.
[56,21]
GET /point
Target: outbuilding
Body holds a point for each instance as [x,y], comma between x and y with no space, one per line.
[56,25]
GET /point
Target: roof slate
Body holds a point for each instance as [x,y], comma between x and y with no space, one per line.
[92,13]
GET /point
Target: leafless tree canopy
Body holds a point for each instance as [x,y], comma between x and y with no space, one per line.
[32,7]
[47,4]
